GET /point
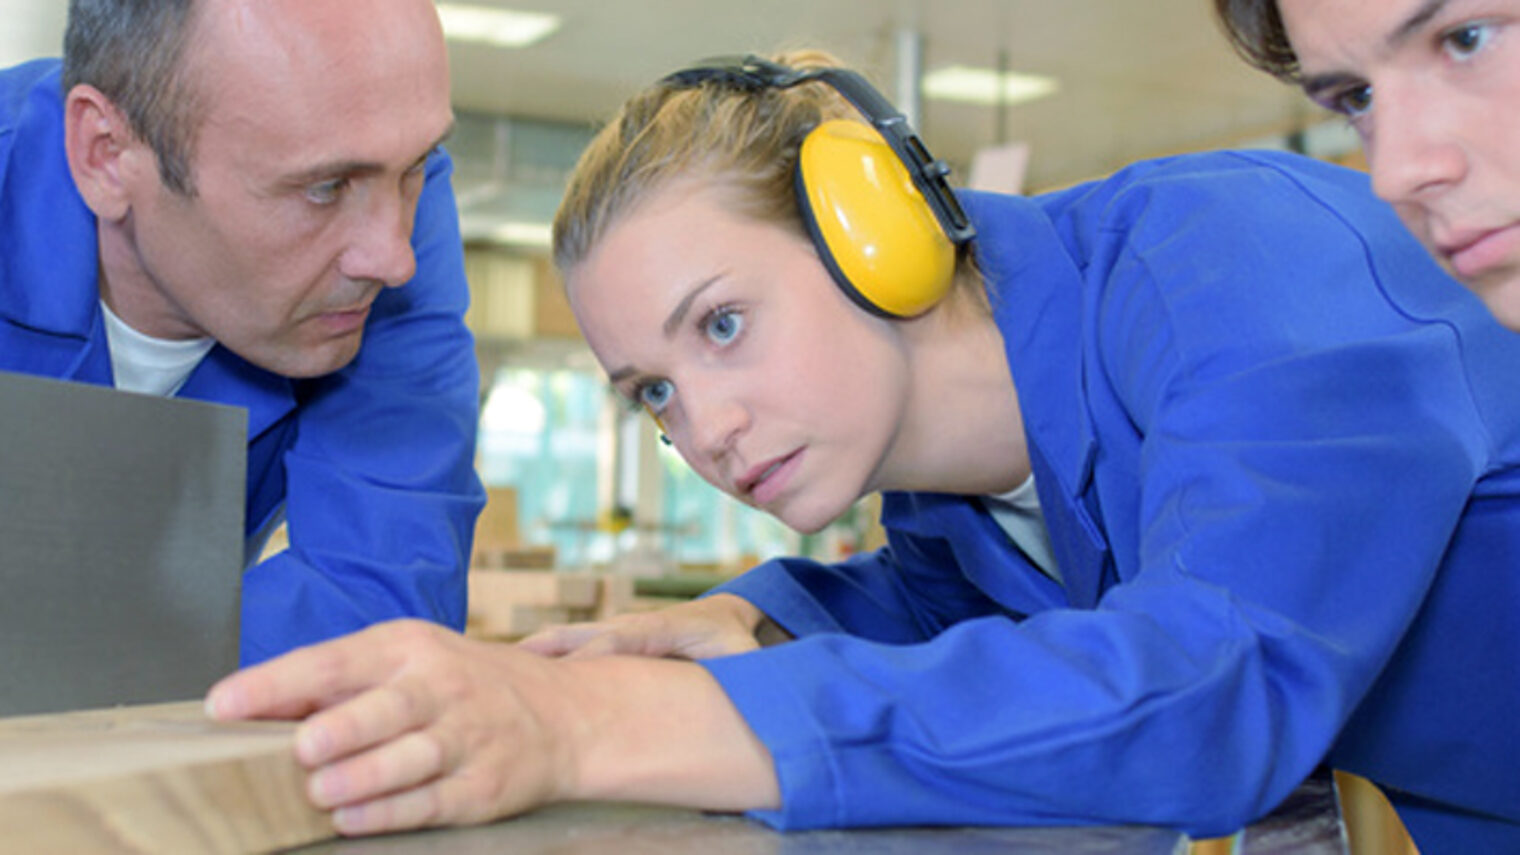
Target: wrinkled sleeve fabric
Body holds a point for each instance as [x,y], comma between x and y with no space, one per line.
[902,593]
[382,493]
[1281,551]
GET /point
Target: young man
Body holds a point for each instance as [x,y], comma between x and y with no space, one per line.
[244,202]
[1431,86]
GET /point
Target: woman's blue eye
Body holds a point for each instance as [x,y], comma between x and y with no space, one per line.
[655,395]
[724,325]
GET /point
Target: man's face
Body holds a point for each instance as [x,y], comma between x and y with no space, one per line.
[316,118]
[1432,86]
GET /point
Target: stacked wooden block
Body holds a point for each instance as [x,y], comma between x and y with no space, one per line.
[509,604]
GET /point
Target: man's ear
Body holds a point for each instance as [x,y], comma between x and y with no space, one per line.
[103,153]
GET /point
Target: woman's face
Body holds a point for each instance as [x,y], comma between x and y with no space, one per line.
[1432,86]
[769,382]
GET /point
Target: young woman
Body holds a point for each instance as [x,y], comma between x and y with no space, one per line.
[1196,477]
[1432,87]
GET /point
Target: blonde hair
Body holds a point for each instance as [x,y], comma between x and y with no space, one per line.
[747,139]
[744,139]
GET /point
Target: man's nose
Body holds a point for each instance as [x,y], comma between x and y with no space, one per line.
[380,247]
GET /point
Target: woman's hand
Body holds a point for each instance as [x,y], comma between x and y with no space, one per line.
[413,725]
[718,625]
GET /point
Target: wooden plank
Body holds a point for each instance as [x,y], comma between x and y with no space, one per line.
[616,596]
[493,588]
[151,779]
[509,622]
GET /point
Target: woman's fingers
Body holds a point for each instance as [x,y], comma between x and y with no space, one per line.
[562,639]
[697,630]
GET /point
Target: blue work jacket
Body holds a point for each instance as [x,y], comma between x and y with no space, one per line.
[1277,451]
[372,466]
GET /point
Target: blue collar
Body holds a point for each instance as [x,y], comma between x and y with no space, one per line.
[50,319]
[47,233]
[1036,290]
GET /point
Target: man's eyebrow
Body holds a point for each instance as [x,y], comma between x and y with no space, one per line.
[324,171]
[670,327]
[1315,84]
[334,169]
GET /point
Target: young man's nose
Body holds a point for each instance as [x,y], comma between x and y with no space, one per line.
[1417,147]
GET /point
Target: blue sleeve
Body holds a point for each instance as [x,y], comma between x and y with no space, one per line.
[1285,546]
[876,595]
[382,494]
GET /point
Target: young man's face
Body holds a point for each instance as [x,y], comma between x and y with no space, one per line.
[769,381]
[1433,87]
[316,119]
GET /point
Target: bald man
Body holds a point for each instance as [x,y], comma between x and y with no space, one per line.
[245,201]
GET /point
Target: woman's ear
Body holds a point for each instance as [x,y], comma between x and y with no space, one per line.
[102,151]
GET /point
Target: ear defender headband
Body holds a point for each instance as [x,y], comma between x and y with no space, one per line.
[876,203]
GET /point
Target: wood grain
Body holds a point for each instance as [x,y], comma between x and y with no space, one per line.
[151,779]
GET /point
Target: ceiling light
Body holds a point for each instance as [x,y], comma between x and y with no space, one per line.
[980,85]
[500,27]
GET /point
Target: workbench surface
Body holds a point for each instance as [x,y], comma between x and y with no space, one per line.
[164,779]
[1307,824]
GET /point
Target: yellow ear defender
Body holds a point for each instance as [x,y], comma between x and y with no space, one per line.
[876,203]
[872,227]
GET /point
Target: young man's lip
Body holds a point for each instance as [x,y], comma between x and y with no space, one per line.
[1455,242]
[1473,251]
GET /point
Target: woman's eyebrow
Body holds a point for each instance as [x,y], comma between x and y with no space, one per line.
[678,314]
[671,326]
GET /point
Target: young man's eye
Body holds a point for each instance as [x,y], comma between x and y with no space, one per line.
[1466,40]
[723,325]
[1352,101]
